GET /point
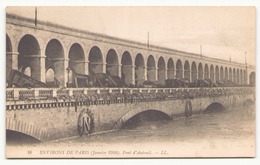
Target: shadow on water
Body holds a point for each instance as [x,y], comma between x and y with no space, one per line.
[146,118]
[17,138]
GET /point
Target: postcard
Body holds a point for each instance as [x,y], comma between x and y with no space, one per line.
[130,82]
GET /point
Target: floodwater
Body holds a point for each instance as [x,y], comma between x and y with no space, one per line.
[223,133]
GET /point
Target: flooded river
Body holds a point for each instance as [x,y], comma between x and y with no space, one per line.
[230,133]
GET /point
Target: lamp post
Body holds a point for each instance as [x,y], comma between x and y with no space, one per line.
[68,71]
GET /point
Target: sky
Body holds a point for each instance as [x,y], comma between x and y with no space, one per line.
[223,32]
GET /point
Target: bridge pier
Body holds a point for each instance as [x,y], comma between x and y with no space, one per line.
[11,62]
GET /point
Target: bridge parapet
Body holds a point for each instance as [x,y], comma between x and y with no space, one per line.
[20,98]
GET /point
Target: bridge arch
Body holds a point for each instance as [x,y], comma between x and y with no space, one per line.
[27,128]
[29,53]
[133,113]
[206,71]
[248,102]
[241,77]
[55,60]
[234,76]
[194,72]
[221,74]
[212,78]
[179,70]
[76,63]
[127,68]
[96,61]
[112,63]
[252,79]
[9,58]
[214,107]
[161,71]
[170,69]
[238,76]
[151,68]
[226,74]
[200,70]
[9,46]
[139,69]
[217,73]
[245,77]
[187,70]
[230,77]
[77,58]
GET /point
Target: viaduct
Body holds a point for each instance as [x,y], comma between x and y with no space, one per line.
[45,51]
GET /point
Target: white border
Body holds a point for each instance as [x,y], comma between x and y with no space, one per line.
[4,3]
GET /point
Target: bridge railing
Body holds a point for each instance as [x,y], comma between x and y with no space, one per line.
[35,93]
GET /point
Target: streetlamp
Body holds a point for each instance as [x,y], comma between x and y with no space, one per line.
[68,71]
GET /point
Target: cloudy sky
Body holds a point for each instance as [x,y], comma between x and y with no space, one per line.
[223,32]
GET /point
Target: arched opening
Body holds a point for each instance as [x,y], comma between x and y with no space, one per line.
[55,60]
[9,58]
[95,61]
[234,76]
[29,52]
[170,69]
[77,58]
[145,118]
[17,138]
[226,73]
[161,71]
[200,69]
[187,70]
[214,107]
[112,63]
[126,69]
[212,73]
[76,63]
[245,77]
[179,70]
[238,76]
[139,70]
[194,72]
[252,79]
[221,73]
[8,44]
[230,75]
[241,77]
[151,68]
[248,102]
[217,73]
[206,72]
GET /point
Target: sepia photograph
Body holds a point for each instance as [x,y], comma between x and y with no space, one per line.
[130,82]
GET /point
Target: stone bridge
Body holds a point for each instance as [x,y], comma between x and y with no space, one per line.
[52,114]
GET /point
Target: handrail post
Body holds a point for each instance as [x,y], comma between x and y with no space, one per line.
[70,92]
[54,92]
[16,94]
[36,93]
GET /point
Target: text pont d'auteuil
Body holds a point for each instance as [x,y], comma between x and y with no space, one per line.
[101,153]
